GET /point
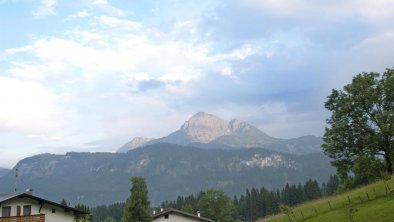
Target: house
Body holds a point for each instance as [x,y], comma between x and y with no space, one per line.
[24,207]
[174,215]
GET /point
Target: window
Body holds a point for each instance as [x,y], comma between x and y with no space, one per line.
[53,211]
[165,216]
[26,210]
[6,211]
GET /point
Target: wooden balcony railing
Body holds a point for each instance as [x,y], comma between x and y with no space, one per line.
[31,218]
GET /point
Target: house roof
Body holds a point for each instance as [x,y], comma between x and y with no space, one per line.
[182,213]
[5,197]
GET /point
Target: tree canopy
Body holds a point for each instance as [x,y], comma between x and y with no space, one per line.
[215,205]
[137,206]
[362,121]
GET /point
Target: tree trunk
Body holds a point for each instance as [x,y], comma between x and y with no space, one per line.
[389,164]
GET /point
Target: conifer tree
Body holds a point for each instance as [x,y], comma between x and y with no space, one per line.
[137,207]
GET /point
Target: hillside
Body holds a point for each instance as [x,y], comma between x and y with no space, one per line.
[4,171]
[369,203]
[170,170]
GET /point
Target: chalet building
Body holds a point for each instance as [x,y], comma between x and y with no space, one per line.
[173,215]
[24,207]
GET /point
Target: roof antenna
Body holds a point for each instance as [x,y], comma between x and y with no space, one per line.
[16,178]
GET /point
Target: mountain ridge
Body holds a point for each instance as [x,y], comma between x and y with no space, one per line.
[170,170]
[204,128]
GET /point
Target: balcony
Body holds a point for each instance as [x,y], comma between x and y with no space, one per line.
[31,218]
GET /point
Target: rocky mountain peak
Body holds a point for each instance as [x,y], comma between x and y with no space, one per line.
[238,126]
[209,131]
[204,127]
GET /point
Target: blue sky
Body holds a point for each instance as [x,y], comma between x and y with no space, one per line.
[91,75]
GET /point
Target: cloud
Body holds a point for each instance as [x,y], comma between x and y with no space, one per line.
[45,9]
[323,10]
[105,6]
[145,66]
[78,15]
[112,73]
[27,106]
[119,23]
[150,84]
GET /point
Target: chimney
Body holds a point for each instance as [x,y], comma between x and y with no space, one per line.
[161,209]
[29,191]
[198,214]
[154,212]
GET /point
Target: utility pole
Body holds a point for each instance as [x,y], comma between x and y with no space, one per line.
[16,179]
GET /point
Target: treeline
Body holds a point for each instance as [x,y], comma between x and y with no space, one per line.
[253,204]
[257,203]
[102,213]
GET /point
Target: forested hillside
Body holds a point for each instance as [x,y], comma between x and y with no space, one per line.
[170,170]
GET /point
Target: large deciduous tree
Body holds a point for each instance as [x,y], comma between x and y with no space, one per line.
[362,121]
[137,206]
[216,205]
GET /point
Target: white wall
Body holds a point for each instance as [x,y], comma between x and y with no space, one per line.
[58,216]
[175,218]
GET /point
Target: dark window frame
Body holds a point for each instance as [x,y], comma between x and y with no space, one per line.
[26,210]
[6,211]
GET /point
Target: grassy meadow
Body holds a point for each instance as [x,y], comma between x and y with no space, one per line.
[365,204]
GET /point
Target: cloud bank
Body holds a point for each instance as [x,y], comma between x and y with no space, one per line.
[107,71]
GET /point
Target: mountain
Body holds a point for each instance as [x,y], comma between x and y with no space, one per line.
[170,170]
[4,171]
[134,143]
[204,128]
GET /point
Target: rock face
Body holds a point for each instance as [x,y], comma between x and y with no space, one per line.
[204,128]
[237,126]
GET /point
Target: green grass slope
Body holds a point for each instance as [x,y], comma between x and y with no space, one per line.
[369,203]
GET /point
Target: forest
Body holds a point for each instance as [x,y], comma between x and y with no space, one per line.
[253,204]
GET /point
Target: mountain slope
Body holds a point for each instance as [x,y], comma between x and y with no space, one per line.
[170,170]
[134,143]
[203,128]
[4,171]
[370,201]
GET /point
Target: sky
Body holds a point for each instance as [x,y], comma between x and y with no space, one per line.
[89,75]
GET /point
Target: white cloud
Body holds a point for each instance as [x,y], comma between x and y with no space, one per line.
[105,6]
[46,137]
[26,106]
[121,53]
[188,26]
[240,53]
[119,23]
[45,9]
[78,15]
[37,72]
[18,50]
[85,84]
